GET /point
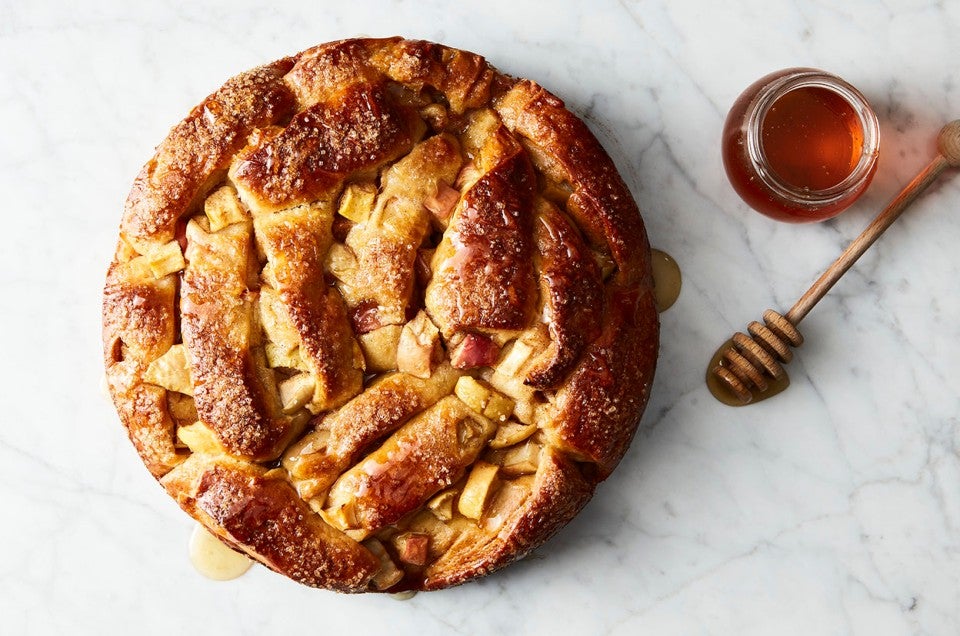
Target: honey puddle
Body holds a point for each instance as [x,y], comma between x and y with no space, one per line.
[666,279]
[720,391]
[213,559]
[403,596]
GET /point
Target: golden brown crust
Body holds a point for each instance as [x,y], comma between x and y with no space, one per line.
[464,79]
[317,460]
[600,201]
[296,242]
[427,454]
[385,246]
[263,516]
[360,129]
[363,205]
[138,327]
[233,396]
[607,391]
[199,148]
[572,293]
[138,317]
[483,270]
[558,494]
[323,71]
[143,408]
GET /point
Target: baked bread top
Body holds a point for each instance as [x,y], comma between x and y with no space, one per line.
[380,316]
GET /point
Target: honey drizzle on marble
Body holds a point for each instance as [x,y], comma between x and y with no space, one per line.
[213,559]
[667,279]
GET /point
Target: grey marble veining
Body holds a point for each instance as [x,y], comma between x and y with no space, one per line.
[832,509]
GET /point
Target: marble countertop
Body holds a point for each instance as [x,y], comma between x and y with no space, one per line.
[832,509]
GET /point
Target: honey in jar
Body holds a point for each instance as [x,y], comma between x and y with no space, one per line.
[800,145]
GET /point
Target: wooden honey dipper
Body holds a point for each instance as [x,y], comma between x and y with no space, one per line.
[745,367]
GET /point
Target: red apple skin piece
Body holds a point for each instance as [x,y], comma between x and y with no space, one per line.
[442,203]
[413,548]
[474,351]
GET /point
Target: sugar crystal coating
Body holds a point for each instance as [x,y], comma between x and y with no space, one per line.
[380,316]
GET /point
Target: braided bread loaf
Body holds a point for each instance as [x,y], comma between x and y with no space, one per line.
[380,317]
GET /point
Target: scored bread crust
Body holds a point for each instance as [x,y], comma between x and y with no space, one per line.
[255,315]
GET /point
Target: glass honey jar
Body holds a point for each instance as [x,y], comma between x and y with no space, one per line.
[800,145]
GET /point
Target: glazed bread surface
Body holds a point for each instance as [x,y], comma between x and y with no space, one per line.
[380,316]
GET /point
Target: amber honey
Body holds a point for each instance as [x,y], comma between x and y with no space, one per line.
[722,392]
[812,138]
[667,279]
[800,145]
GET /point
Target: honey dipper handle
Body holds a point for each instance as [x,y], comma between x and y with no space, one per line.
[860,244]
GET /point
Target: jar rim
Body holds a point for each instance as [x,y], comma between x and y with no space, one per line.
[804,78]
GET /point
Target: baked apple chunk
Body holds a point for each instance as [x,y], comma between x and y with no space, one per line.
[380,316]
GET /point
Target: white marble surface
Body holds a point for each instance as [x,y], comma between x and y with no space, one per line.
[833,509]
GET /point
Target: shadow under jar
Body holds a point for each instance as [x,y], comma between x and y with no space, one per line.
[800,145]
